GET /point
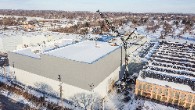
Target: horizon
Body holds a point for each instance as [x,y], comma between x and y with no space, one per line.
[100,10]
[156,6]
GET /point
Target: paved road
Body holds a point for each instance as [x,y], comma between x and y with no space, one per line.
[9,104]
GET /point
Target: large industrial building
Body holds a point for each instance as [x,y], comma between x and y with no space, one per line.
[169,76]
[84,66]
[11,40]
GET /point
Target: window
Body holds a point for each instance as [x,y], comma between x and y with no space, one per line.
[159,90]
[171,93]
[154,89]
[176,95]
[139,92]
[165,92]
[182,96]
[189,98]
[194,99]
[149,87]
[139,86]
[144,86]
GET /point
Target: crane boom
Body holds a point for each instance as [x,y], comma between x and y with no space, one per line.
[124,44]
[112,28]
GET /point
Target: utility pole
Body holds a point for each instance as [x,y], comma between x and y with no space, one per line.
[91,87]
[121,63]
[3,24]
[59,78]
[13,71]
[103,103]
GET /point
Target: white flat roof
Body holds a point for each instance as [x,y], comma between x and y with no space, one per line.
[27,52]
[85,51]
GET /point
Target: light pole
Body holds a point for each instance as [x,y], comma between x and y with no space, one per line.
[91,87]
[103,103]
[13,75]
[121,63]
[59,78]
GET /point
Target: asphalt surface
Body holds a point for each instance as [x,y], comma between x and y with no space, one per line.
[9,104]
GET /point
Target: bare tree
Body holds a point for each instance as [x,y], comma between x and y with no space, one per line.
[167,28]
[87,101]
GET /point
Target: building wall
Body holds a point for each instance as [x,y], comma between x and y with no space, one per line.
[73,73]
[45,84]
[107,84]
[52,86]
[26,63]
[165,94]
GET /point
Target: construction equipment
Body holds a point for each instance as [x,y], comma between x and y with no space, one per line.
[123,45]
[110,26]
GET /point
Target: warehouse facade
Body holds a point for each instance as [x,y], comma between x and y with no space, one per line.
[76,76]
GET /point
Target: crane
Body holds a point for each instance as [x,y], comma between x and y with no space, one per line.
[123,45]
[110,27]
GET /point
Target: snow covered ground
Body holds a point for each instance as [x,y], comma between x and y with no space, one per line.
[17,98]
[86,51]
[21,99]
[114,102]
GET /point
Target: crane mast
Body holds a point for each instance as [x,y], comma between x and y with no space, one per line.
[124,44]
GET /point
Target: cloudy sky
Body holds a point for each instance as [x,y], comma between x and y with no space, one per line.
[177,6]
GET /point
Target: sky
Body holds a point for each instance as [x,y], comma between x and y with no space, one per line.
[166,6]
